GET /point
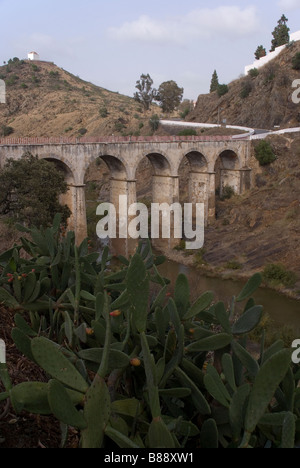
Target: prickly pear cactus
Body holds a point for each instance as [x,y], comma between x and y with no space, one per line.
[129,363]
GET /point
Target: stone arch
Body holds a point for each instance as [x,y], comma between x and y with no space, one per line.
[159,162]
[192,173]
[153,173]
[62,166]
[197,160]
[230,159]
[227,169]
[116,165]
[69,198]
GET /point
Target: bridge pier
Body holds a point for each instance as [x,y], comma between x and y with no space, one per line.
[79,213]
[230,178]
[198,190]
[211,213]
[165,189]
[245,179]
[122,246]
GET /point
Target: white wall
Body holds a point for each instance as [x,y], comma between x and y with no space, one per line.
[295,36]
[33,57]
[268,58]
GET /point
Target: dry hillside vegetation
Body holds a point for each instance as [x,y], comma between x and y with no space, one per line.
[44,100]
[261,226]
[263,101]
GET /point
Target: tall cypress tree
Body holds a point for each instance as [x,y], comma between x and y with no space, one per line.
[214,82]
[281,34]
[260,52]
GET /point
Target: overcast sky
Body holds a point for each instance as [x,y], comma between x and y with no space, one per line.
[112,42]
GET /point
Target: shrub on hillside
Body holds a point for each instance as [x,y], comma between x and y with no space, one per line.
[35,79]
[233,265]
[82,131]
[264,153]
[227,192]
[154,123]
[246,89]
[184,113]
[103,112]
[11,81]
[254,72]
[222,90]
[6,131]
[188,132]
[296,61]
[276,274]
[54,74]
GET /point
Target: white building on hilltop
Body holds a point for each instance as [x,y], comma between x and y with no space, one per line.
[33,56]
[269,57]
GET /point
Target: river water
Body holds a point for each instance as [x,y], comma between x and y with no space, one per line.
[281,309]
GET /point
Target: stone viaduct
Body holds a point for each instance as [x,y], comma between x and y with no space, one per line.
[123,155]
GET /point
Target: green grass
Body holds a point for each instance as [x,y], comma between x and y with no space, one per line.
[276,274]
[233,265]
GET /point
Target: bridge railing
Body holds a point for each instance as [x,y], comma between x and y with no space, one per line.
[112,139]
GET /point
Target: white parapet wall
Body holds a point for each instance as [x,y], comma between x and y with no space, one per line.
[268,58]
[249,131]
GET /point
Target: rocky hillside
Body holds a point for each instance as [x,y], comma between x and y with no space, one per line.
[261,101]
[44,100]
[262,226]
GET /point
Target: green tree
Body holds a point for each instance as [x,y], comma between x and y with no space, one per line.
[214,82]
[169,96]
[30,189]
[264,153]
[222,90]
[280,34]
[146,94]
[185,108]
[260,52]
